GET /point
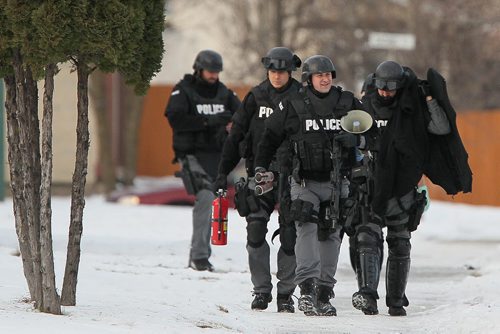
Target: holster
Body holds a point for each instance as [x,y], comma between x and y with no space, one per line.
[245,200]
[303,212]
[325,227]
[416,211]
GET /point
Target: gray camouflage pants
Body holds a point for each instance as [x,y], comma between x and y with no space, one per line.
[315,259]
[259,257]
[200,240]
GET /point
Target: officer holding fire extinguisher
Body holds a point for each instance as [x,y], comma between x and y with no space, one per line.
[246,131]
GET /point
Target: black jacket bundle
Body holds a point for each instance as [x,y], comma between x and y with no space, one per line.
[407,150]
[403,147]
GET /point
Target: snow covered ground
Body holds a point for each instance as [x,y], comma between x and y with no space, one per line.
[133,277]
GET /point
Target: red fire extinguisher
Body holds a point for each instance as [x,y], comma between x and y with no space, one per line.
[220,206]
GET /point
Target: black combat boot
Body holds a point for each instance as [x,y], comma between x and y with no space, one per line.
[307,300]
[201,265]
[397,272]
[324,307]
[285,303]
[261,300]
[367,274]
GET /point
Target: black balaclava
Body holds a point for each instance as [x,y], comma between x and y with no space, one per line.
[205,88]
[386,101]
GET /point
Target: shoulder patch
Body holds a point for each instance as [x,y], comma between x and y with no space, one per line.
[175,92]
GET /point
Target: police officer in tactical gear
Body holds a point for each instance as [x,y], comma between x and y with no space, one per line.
[246,131]
[199,109]
[409,121]
[310,120]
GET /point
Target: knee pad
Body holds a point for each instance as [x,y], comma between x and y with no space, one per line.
[399,247]
[256,233]
[367,236]
[368,241]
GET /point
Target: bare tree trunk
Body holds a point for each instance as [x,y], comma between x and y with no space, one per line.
[51,301]
[107,174]
[133,109]
[27,148]
[68,295]
[16,182]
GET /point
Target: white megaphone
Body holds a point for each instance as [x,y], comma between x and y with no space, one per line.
[356,121]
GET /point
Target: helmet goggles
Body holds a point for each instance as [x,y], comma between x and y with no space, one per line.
[275,64]
[386,85]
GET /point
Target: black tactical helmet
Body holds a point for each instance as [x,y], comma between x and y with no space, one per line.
[281,59]
[317,64]
[208,60]
[389,75]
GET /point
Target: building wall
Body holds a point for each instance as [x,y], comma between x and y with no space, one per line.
[64,129]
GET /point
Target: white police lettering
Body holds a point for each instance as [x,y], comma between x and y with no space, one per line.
[265,112]
[210,109]
[381,123]
[328,124]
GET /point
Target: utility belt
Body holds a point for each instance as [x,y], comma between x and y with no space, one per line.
[303,212]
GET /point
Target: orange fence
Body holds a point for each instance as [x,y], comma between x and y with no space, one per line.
[480,132]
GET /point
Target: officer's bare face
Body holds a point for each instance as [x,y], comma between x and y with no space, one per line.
[386,93]
[322,82]
[210,77]
[278,79]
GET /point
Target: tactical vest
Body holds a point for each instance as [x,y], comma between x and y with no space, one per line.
[189,142]
[267,100]
[313,142]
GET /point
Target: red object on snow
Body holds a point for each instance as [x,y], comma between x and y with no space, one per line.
[220,207]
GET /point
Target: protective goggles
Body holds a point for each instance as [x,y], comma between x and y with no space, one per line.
[277,64]
[386,84]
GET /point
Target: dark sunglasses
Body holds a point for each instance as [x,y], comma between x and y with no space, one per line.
[386,84]
[277,64]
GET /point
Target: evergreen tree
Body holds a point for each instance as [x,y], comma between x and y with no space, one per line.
[35,36]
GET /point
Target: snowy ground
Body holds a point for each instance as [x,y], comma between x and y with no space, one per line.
[133,278]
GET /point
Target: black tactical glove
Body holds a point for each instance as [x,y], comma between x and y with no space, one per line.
[425,88]
[220,182]
[347,139]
